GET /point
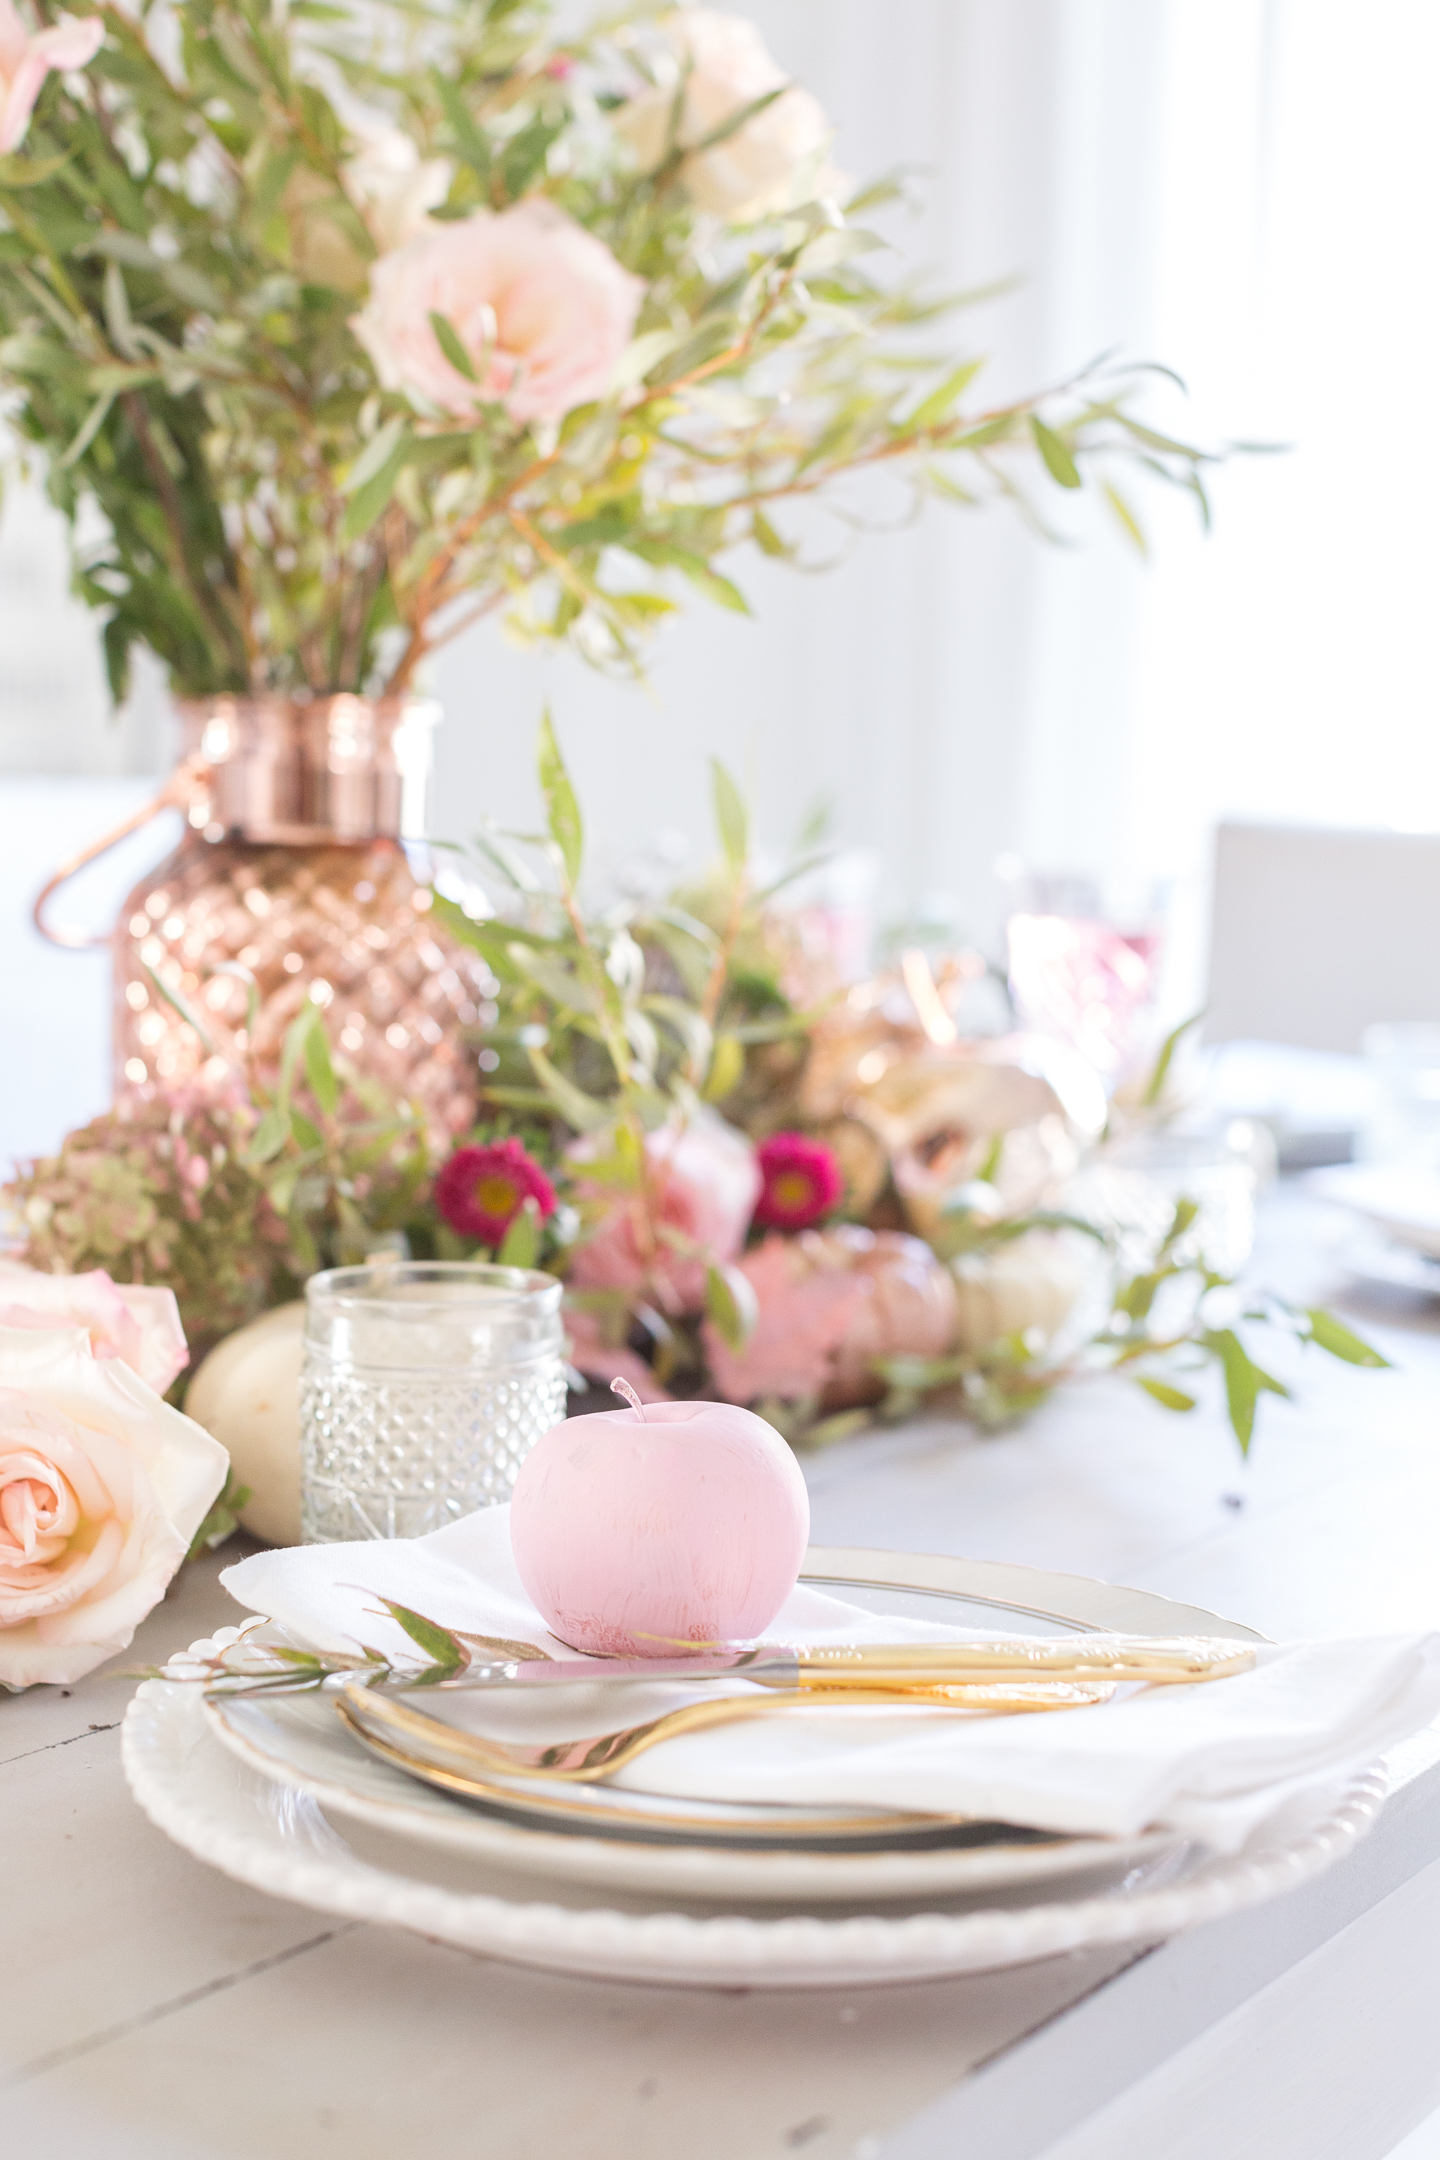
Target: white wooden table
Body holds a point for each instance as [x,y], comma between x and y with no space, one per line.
[148,2006]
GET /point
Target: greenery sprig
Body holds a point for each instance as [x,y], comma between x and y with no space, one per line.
[183,251]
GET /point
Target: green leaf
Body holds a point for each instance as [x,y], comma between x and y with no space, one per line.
[766,538]
[269,1137]
[373,496]
[179,1003]
[470,138]
[1186,1211]
[732,820]
[731,1303]
[1245,1381]
[1059,463]
[939,402]
[377,453]
[1138,1295]
[586,1113]
[727,1067]
[447,337]
[223,1518]
[440,1646]
[561,808]
[1330,1335]
[1171,1398]
[320,1072]
[520,1246]
[526,153]
[1126,519]
[1155,1085]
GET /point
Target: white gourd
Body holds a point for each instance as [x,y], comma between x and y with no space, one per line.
[247,1394]
[1030,1284]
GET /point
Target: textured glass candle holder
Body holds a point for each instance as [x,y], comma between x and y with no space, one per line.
[423,1388]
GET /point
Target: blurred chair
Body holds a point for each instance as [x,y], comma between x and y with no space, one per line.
[1316,935]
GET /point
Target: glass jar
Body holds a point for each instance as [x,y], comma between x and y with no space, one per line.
[1134,1183]
[424,1386]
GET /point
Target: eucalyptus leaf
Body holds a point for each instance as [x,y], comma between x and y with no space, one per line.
[562,809]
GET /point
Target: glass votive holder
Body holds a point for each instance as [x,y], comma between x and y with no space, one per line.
[424,1386]
[1135,1183]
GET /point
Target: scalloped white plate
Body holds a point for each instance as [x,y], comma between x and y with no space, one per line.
[530,1898]
[278,1839]
[299,1740]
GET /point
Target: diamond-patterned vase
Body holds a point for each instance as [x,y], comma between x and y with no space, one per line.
[293,870]
[424,1386]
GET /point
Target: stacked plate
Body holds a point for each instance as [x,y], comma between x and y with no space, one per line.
[1391,1230]
[283,1791]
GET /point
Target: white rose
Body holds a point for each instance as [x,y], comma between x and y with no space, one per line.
[756,168]
[102,1488]
[394,188]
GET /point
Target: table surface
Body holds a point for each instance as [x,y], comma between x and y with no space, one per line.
[150,2006]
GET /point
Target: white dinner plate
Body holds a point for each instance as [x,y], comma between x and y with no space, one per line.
[299,1744]
[628,1840]
[277,1838]
[1403,1203]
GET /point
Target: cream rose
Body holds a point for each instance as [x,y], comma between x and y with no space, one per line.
[130,1321]
[394,188]
[102,1487]
[26,60]
[756,168]
[541,308]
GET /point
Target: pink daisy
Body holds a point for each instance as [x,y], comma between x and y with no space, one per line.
[481,1190]
[801,1182]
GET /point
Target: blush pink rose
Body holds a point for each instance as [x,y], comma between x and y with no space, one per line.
[541,307]
[26,59]
[138,1324]
[703,1184]
[833,1302]
[102,1487]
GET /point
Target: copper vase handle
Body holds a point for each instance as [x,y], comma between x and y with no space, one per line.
[183,788]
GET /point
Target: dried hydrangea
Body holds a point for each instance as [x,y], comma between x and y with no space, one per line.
[157,1190]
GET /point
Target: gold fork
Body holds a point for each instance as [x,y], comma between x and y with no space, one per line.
[391,1726]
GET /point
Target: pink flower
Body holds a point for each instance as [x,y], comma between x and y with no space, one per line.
[802,1182]
[26,60]
[481,1190]
[541,308]
[702,1183]
[831,1303]
[130,1321]
[805,1315]
[102,1487]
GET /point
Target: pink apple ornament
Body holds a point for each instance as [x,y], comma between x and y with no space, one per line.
[638,1531]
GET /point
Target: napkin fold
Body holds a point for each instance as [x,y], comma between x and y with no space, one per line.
[1220,1763]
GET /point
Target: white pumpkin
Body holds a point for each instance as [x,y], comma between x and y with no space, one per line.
[247,1395]
[1032,1283]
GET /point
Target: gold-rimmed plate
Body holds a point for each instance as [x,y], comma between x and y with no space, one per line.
[618,1843]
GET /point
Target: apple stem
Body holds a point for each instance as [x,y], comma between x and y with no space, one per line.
[623,1387]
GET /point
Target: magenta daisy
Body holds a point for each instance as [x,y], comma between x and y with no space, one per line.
[481,1190]
[801,1182]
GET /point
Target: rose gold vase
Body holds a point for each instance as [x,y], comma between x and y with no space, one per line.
[292,870]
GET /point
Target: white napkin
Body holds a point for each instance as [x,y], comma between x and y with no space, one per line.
[1217,1762]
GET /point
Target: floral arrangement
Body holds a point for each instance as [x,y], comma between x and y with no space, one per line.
[757,1181]
[335,330]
